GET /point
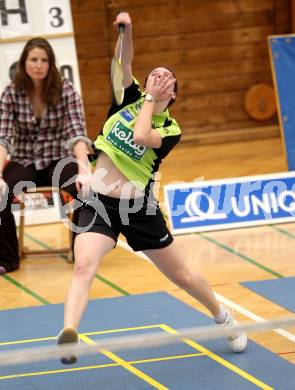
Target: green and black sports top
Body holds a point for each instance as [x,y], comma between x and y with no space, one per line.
[137,162]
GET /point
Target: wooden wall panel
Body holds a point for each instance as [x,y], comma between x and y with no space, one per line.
[218,50]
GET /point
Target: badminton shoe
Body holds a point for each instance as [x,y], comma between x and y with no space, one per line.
[237,340]
[68,335]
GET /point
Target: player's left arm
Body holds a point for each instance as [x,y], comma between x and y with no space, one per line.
[144,134]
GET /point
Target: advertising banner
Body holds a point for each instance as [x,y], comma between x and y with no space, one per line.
[230,203]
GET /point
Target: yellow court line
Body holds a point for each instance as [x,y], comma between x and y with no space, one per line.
[163,359]
[219,359]
[106,365]
[86,334]
[121,362]
[123,329]
[40,373]
[127,366]
[27,341]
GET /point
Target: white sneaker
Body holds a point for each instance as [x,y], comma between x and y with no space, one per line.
[238,340]
[68,335]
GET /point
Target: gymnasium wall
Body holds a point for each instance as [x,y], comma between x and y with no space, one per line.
[217,48]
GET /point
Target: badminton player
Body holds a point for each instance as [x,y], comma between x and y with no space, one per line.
[135,138]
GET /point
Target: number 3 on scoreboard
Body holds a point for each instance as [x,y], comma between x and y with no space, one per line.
[56,14]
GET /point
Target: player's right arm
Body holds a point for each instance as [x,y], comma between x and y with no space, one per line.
[127,48]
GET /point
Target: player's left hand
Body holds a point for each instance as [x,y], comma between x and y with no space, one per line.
[161,86]
[83,184]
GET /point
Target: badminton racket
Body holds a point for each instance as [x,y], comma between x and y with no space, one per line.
[117,76]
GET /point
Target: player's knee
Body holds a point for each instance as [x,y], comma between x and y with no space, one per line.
[184,280]
[84,267]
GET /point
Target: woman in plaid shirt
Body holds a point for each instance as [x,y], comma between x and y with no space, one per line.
[41,122]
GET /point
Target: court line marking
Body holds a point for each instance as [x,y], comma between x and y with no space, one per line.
[124,245]
[84,337]
[241,255]
[233,251]
[97,276]
[229,303]
[220,360]
[25,289]
[129,367]
[283,231]
[51,372]
[222,299]
[252,316]
[120,330]
[246,312]
[112,285]
[26,341]
[107,365]
[166,358]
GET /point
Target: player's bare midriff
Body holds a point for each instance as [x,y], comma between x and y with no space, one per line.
[108,180]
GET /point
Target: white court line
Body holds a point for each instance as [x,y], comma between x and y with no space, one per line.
[253,316]
[222,299]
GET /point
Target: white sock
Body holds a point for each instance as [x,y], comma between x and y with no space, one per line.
[221,317]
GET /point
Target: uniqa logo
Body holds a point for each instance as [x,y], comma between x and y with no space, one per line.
[268,204]
[126,136]
[195,213]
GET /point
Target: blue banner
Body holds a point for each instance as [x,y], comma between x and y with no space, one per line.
[231,203]
[282,53]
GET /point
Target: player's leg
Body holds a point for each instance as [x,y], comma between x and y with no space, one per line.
[90,248]
[148,230]
[171,263]
[96,237]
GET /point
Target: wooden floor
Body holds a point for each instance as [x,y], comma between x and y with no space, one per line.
[48,278]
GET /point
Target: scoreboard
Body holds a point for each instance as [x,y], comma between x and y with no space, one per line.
[21,20]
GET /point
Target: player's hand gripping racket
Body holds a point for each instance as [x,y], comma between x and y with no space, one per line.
[117,76]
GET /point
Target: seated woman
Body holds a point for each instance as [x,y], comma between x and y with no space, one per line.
[41,122]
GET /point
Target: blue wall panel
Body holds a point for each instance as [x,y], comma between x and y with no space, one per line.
[282,53]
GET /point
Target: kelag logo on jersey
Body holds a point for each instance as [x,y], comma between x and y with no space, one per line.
[122,138]
[225,204]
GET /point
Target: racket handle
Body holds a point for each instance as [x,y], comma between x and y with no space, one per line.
[121,28]
[121,25]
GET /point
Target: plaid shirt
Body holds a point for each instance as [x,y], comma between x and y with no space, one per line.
[59,129]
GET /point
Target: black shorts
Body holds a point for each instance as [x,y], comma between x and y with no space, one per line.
[140,221]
